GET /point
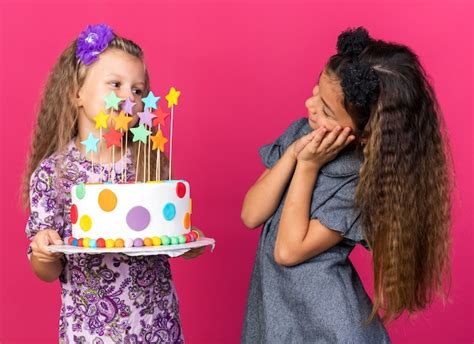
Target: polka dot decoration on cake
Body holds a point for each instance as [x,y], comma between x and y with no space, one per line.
[187,221]
[107,200]
[85,223]
[138,218]
[81,191]
[74,214]
[169,211]
[180,189]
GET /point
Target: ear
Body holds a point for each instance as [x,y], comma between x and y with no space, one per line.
[76,98]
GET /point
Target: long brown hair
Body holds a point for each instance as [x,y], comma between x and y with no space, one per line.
[405,181]
[57,119]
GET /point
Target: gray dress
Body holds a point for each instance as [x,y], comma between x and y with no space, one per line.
[321,300]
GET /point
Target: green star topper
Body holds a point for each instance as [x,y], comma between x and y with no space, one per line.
[140,133]
[112,101]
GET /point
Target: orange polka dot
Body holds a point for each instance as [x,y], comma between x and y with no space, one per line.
[85,223]
[187,220]
[107,200]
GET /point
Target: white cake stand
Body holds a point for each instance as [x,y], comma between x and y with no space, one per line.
[169,250]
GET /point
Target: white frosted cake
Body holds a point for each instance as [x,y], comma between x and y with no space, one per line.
[131,214]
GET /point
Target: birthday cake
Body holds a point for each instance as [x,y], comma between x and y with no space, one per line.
[126,214]
[131,215]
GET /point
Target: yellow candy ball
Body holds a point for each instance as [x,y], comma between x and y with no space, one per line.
[109,243]
[85,242]
[156,241]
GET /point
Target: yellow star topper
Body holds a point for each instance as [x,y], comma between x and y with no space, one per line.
[172,97]
[101,120]
[159,141]
[121,121]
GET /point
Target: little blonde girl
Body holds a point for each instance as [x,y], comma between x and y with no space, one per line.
[366,166]
[107,298]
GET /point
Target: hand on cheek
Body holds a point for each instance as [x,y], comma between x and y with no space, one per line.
[325,145]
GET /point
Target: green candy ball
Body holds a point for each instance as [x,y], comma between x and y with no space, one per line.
[181,239]
[165,240]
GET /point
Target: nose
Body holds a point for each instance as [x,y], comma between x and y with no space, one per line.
[124,94]
[310,103]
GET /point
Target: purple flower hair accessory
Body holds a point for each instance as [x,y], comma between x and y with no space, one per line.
[92,41]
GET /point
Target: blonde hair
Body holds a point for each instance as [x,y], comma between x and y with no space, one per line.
[57,119]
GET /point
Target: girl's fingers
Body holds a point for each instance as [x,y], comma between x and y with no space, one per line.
[343,139]
[330,138]
[47,258]
[319,135]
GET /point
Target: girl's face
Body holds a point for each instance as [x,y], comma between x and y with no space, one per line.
[325,106]
[117,71]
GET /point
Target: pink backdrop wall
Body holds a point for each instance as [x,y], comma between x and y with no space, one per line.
[245,69]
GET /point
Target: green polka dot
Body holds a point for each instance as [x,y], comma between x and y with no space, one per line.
[80,191]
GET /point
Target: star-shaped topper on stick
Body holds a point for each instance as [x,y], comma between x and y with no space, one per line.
[146,117]
[113,138]
[127,106]
[159,141]
[112,101]
[172,97]
[150,100]
[140,133]
[90,143]
[160,117]
[122,121]
[101,120]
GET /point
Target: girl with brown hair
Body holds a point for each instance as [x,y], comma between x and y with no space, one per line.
[367,166]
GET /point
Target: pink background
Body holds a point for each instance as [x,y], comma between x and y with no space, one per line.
[245,69]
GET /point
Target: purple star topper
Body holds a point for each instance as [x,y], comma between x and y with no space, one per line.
[92,41]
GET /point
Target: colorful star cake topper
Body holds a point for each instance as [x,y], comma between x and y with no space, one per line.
[140,133]
[127,106]
[146,117]
[122,121]
[90,143]
[112,101]
[150,100]
[172,97]
[101,120]
[113,138]
[159,141]
[160,117]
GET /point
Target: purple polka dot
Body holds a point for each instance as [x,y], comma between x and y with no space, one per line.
[138,218]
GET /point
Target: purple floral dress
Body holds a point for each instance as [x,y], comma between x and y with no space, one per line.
[107,298]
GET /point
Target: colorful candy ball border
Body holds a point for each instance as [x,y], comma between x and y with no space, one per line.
[164,240]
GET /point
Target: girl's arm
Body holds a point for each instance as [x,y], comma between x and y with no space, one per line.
[298,237]
[46,265]
[264,196]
